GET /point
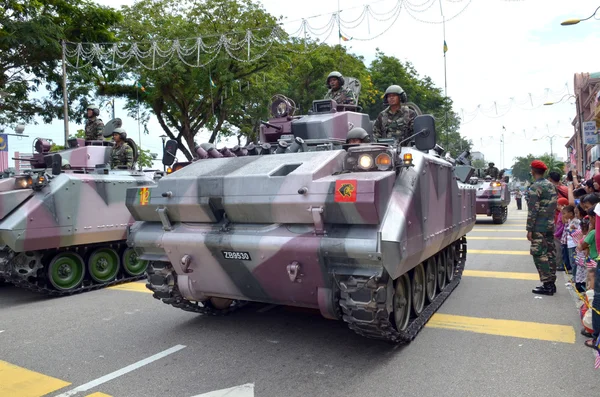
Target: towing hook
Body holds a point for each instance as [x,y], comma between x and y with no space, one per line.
[186,261]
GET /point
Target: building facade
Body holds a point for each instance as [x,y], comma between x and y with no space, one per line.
[587,90]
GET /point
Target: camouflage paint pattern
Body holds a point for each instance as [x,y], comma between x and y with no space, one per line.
[78,207]
[273,205]
[342,96]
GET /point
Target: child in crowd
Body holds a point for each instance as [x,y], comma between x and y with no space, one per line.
[591,241]
[559,236]
[571,224]
[580,274]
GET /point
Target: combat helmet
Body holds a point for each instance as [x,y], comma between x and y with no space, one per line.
[396,89]
[94,108]
[358,133]
[491,164]
[336,74]
[122,133]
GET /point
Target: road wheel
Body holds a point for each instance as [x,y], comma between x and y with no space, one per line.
[450,262]
[418,289]
[103,265]
[132,266]
[66,271]
[402,302]
[441,270]
[431,279]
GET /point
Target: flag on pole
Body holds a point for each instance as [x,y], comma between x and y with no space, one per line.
[212,83]
[140,86]
[445,47]
[3,152]
[344,37]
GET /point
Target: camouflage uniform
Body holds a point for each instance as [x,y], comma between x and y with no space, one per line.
[343,96]
[493,172]
[121,155]
[541,204]
[93,129]
[398,125]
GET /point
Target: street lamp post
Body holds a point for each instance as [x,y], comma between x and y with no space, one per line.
[164,139]
[576,21]
[551,139]
[579,121]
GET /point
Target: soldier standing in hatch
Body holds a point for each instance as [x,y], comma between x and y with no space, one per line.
[492,171]
[122,153]
[341,95]
[396,121]
[540,228]
[93,125]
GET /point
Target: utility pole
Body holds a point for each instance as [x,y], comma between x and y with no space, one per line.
[445,76]
[64,88]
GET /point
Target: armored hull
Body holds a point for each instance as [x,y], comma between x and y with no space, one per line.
[64,231]
[379,247]
[493,199]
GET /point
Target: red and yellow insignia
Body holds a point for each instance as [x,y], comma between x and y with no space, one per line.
[144,196]
[345,191]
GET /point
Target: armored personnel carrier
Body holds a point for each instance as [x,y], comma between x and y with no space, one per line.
[372,234]
[493,198]
[63,222]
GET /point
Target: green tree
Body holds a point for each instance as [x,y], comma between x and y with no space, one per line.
[387,70]
[521,169]
[144,158]
[478,164]
[30,51]
[183,98]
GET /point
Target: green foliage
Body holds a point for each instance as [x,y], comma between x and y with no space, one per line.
[478,164]
[522,167]
[144,159]
[56,148]
[30,54]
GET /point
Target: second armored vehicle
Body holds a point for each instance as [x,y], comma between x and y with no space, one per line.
[371,234]
[493,198]
[63,223]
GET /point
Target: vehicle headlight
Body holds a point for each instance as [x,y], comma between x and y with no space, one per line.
[23,182]
[383,161]
[365,161]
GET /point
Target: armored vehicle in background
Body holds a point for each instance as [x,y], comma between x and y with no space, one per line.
[493,198]
[372,234]
[63,223]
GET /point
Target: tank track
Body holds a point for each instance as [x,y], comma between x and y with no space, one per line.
[162,282]
[39,284]
[374,321]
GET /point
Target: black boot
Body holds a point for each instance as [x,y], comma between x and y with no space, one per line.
[546,289]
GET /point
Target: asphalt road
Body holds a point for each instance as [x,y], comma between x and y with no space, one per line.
[476,350]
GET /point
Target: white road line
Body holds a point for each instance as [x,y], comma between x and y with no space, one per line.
[1,331]
[246,390]
[121,371]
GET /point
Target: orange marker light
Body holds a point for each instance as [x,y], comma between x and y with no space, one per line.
[408,158]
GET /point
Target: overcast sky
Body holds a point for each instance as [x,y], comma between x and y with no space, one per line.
[497,50]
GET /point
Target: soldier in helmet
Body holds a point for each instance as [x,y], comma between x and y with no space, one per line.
[343,96]
[122,153]
[395,121]
[492,171]
[358,135]
[93,125]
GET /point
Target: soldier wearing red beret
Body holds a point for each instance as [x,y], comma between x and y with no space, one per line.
[540,228]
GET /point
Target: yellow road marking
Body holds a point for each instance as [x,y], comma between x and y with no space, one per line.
[475,230]
[517,329]
[133,287]
[497,252]
[98,394]
[16,381]
[495,238]
[507,275]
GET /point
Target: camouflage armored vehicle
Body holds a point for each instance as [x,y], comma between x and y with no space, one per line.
[371,234]
[63,223]
[493,198]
